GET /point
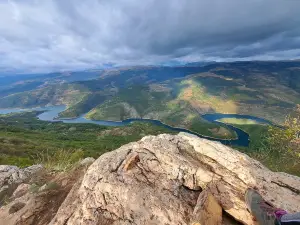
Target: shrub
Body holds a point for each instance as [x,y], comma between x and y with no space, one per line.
[284,141]
[60,160]
[283,144]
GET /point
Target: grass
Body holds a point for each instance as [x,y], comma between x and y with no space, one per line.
[60,160]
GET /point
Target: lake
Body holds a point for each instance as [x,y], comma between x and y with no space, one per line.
[52,112]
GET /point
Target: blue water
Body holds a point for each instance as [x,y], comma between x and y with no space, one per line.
[242,137]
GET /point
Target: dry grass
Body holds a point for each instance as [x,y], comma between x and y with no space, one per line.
[61,160]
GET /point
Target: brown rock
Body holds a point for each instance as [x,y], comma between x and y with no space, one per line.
[21,190]
[207,211]
[16,207]
[130,162]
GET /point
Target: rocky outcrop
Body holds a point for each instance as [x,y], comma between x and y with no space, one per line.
[159,180]
[167,179]
[12,176]
[37,201]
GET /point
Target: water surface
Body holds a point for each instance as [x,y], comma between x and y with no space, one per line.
[51,113]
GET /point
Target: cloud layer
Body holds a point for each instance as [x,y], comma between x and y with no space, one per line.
[48,35]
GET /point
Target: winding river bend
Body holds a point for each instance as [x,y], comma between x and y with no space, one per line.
[242,137]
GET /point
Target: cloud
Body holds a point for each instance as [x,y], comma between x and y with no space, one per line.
[49,35]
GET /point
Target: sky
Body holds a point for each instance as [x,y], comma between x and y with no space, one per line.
[55,35]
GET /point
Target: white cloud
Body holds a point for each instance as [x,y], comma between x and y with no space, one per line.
[46,35]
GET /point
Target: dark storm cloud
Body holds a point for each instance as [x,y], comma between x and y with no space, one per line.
[37,35]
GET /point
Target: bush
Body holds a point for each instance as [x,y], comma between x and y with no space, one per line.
[61,160]
[284,141]
[283,144]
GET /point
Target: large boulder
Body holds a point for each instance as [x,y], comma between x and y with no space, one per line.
[159,180]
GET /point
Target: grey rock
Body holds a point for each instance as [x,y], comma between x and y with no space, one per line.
[43,188]
[12,176]
[6,172]
[87,161]
[22,174]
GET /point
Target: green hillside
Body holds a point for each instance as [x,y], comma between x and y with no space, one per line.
[156,102]
[24,138]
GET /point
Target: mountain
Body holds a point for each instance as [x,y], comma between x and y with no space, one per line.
[165,179]
[27,82]
[174,95]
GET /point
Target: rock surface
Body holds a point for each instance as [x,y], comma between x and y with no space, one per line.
[207,210]
[158,180]
[167,179]
[12,176]
[21,190]
[87,161]
[39,205]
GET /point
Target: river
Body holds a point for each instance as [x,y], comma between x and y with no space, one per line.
[52,112]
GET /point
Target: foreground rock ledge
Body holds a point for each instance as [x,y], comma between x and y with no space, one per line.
[172,179]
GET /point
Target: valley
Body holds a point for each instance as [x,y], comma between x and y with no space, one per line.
[229,102]
[176,96]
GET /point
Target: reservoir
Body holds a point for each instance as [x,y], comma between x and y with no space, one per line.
[242,139]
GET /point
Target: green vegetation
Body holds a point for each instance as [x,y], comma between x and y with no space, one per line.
[277,148]
[238,121]
[194,92]
[67,94]
[212,130]
[158,103]
[134,101]
[88,102]
[264,89]
[24,138]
